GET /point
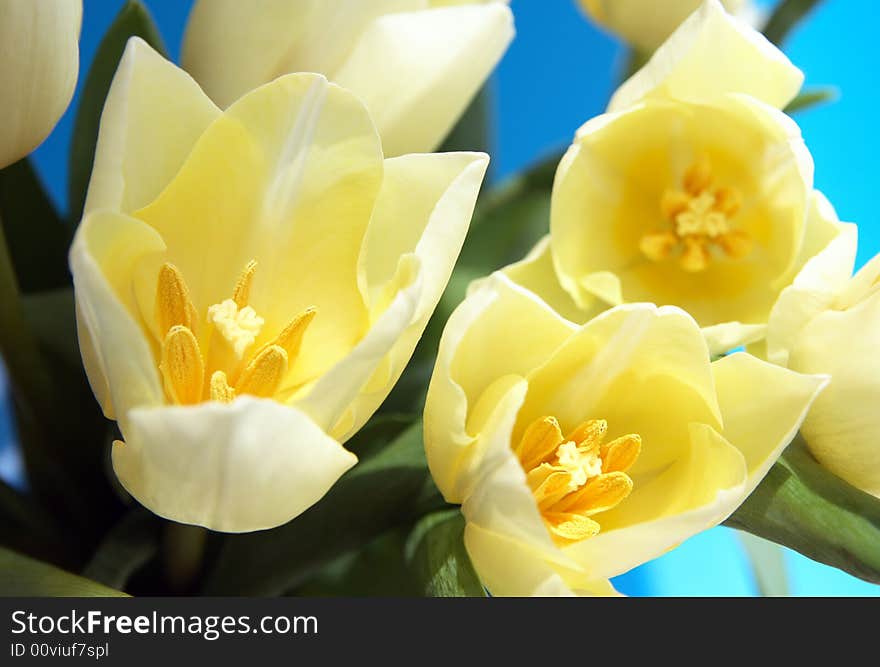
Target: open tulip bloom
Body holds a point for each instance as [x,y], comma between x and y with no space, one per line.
[693,190]
[580,451]
[250,284]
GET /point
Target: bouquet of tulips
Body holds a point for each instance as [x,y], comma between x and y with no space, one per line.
[284,345]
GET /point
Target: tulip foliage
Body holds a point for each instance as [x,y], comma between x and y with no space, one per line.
[293,339]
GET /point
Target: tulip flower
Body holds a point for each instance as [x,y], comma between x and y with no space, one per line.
[38,70]
[415,64]
[693,190]
[646,24]
[250,284]
[581,451]
[828,321]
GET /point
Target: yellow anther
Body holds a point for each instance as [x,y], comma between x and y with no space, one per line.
[539,442]
[173,304]
[658,245]
[291,336]
[575,477]
[737,244]
[674,202]
[728,201]
[698,177]
[241,293]
[619,454]
[182,367]
[263,375]
[695,256]
[220,389]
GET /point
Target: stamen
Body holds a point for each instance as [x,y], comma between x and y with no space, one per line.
[241,293]
[658,246]
[173,304]
[291,336]
[576,477]
[695,257]
[182,367]
[737,244]
[262,376]
[698,177]
[220,389]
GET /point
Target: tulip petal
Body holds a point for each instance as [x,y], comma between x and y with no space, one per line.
[232,47]
[814,290]
[38,70]
[537,274]
[249,465]
[153,115]
[842,427]
[117,356]
[763,407]
[422,213]
[474,353]
[701,489]
[711,54]
[417,71]
[724,337]
[287,176]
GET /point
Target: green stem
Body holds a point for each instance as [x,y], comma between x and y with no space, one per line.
[803,506]
[785,18]
[184,551]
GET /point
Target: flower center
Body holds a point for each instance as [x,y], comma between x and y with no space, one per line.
[576,477]
[187,375]
[698,220]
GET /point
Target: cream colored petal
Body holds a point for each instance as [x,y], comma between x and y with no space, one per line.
[287,176]
[645,25]
[843,426]
[423,210]
[38,70]
[500,330]
[763,407]
[537,274]
[865,283]
[711,54]
[612,364]
[697,492]
[816,288]
[722,338]
[249,465]
[117,356]
[336,389]
[417,71]
[232,47]
[152,118]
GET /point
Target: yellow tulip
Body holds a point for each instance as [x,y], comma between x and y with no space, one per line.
[828,321]
[38,70]
[250,284]
[581,451]
[693,190]
[416,64]
[647,23]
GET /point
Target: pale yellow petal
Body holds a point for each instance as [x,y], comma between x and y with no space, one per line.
[232,47]
[711,54]
[843,426]
[724,337]
[38,70]
[152,118]
[117,356]
[248,465]
[417,71]
[763,407]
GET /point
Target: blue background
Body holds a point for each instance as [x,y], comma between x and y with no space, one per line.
[559,72]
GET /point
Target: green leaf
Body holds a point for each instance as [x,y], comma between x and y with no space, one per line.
[25,527]
[767,561]
[384,490]
[802,506]
[438,559]
[21,576]
[787,15]
[133,20]
[38,239]
[810,98]
[128,546]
